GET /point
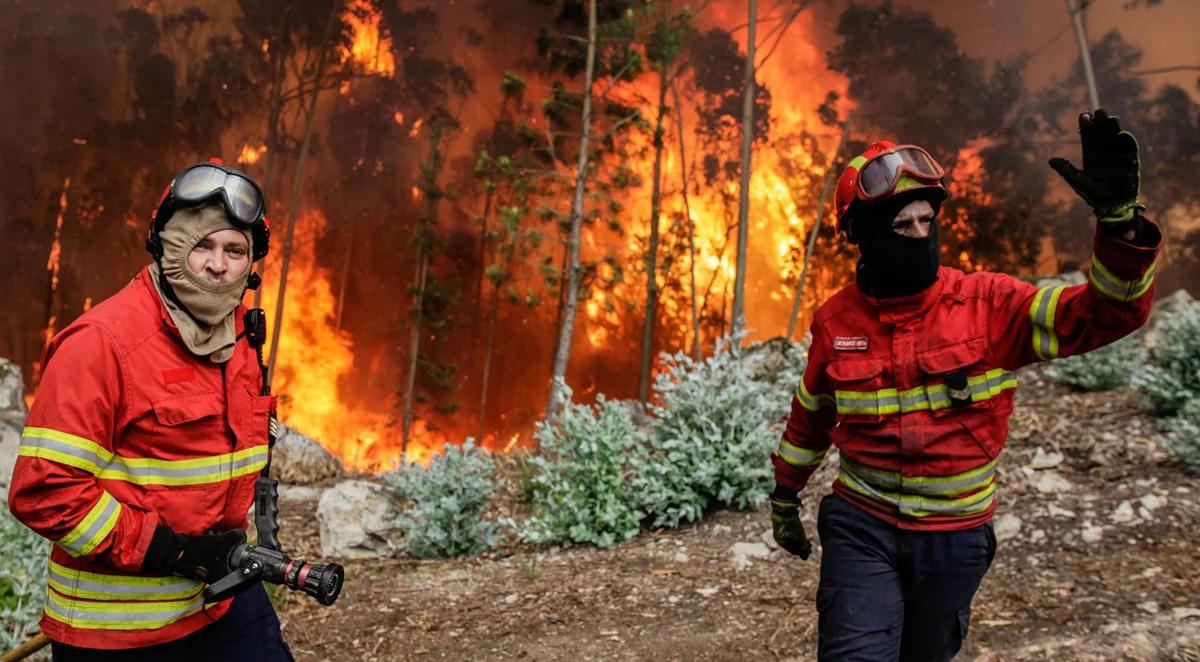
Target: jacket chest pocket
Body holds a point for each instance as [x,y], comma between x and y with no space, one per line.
[957,379]
[858,390]
[191,425]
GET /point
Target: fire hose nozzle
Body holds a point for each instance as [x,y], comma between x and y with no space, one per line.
[250,563]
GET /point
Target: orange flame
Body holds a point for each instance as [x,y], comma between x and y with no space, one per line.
[250,154]
[370,48]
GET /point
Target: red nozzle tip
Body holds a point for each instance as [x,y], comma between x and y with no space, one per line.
[217,160]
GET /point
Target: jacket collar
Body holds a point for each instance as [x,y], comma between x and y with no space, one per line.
[896,310]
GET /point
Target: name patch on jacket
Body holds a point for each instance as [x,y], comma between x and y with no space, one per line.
[175,375]
[850,343]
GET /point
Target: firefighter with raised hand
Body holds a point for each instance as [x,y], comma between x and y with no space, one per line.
[143,444]
[910,375]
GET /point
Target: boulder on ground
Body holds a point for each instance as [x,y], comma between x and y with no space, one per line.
[358,521]
[12,419]
[299,460]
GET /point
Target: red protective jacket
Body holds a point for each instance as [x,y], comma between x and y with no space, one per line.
[129,430]
[916,391]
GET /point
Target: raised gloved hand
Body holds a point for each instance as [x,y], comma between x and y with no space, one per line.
[1110,177]
[204,557]
[785,523]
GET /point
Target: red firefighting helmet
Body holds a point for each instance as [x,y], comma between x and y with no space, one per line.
[882,171]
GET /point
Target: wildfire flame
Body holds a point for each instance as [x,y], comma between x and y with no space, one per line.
[250,154]
[370,48]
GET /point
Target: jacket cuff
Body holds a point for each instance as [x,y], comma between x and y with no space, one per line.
[1128,260]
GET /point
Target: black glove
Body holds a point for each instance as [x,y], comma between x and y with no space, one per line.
[1110,177]
[203,558]
[785,523]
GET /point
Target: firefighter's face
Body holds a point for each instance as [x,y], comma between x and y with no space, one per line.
[220,257]
[914,220]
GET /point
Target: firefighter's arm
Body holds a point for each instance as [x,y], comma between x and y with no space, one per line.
[806,437]
[1028,323]
[66,444]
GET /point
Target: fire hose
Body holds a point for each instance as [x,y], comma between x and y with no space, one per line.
[265,561]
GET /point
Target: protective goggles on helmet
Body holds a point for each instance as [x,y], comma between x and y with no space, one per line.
[202,182]
[878,178]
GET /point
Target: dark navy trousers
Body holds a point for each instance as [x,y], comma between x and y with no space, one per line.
[888,594]
[248,632]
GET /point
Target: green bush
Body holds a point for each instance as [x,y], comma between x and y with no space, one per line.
[447,502]
[713,432]
[1099,370]
[583,486]
[23,555]
[1171,377]
[1183,435]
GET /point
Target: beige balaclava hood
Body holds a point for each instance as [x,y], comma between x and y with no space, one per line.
[207,324]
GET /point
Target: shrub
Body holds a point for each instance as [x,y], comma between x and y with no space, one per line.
[23,555]
[583,486]
[713,432]
[447,501]
[1183,435]
[1099,370]
[1172,375]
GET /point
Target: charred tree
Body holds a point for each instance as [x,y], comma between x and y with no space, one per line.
[743,225]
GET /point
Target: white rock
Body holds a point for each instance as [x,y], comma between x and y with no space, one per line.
[300,460]
[744,552]
[511,599]
[1092,534]
[1150,572]
[1123,514]
[1180,613]
[12,420]
[673,599]
[10,441]
[720,529]
[358,520]
[1007,527]
[681,557]
[1044,460]
[1051,482]
[1056,511]
[1153,502]
[707,591]
[296,493]
[1149,607]
[768,539]
[1037,536]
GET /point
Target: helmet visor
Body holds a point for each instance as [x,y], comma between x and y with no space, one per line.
[879,176]
[241,196]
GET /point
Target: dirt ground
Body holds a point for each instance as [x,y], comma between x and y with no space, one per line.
[1098,560]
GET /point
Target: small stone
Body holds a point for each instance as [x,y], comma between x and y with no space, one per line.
[1055,511]
[1052,483]
[1150,572]
[1123,514]
[1092,534]
[1037,536]
[511,599]
[768,539]
[1180,613]
[721,529]
[680,557]
[1149,607]
[744,552]
[1007,527]
[1044,460]
[707,591]
[1152,502]
[673,599]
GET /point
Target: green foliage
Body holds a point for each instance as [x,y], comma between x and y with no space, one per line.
[1172,375]
[584,489]
[1183,435]
[1101,370]
[447,501]
[714,428]
[23,555]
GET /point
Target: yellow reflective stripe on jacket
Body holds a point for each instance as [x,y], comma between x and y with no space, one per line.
[96,586]
[812,402]
[94,528]
[1117,288]
[921,505]
[119,615]
[84,454]
[1041,313]
[939,486]
[934,397]
[797,456]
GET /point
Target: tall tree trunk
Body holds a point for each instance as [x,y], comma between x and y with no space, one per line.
[739,279]
[812,235]
[431,177]
[487,359]
[297,183]
[274,158]
[352,231]
[652,249]
[562,352]
[691,225]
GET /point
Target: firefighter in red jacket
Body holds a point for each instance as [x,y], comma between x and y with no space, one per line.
[141,449]
[910,375]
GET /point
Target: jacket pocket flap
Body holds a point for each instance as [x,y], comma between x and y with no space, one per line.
[854,371]
[178,411]
[951,357]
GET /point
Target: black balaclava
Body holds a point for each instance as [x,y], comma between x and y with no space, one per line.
[892,265]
